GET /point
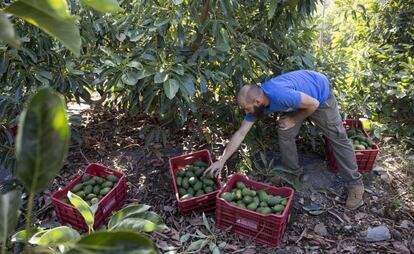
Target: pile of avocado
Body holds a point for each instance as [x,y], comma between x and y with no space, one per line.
[192,183]
[259,201]
[93,188]
[359,141]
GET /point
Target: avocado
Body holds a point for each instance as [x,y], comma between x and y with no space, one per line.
[182,191]
[278,208]
[240,185]
[274,200]
[192,180]
[104,191]
[77,187]
[252,206]
[107,184]
[227,196]
[247,200]
[112,178]
[90,196]
[199,171]
[180,173]
[179,180]
[187,196]
[198,185]
[238,194]
[208,182]
[199,193]
[200,163]
[190,191]
[95,200]
[87,189]
[185,184]
[241,205]
[86,177]
[262,195]
[248,192]
[359,147]
[208,189]
[80,194]
[96,189]
[98,180]
[189,173]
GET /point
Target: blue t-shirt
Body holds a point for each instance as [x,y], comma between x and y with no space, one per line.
[284,91]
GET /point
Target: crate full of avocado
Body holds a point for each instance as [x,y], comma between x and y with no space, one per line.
[366,150]
[93,188]
[359,141]
[194,191]
[259,201]
[192,183]
[98,185]
[252,209]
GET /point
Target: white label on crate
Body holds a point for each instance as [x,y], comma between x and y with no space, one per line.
[110,204]
[247,223]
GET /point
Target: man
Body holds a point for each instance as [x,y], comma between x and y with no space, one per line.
[299,95]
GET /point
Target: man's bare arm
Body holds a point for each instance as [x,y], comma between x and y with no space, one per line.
[231,148]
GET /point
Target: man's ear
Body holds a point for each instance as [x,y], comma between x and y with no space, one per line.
[258,101]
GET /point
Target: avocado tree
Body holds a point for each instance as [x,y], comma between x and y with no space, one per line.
[369,55]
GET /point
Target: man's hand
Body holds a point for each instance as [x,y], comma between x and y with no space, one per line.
[286,122]
[214,169]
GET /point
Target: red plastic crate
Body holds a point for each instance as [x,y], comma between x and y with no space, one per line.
[365,158]
[267,229]
[204,202]
[112,201]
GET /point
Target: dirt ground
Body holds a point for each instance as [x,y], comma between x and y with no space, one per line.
[319,222]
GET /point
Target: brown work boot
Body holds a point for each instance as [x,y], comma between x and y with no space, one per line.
[355,193]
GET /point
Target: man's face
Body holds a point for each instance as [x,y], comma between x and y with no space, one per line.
[256,109]
[259,111]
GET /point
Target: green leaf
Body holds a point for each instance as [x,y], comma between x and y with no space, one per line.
[42,140]
[9,213]
[53,17]
[136,224]
[293,4]
[145,221]
[55,236]
[179,69]
[185,238]
[215,250]
[272,9]
[126,212]
[198,245]
[161,22]
[203,84]
[20,237]
[171,88]
[124,242]
[83,208]
[223,40]
[135,64]
[206,222]
[104,5]
[160,77]
[189,86]
[7,33]
[131,78]
[143,74]
[178,2]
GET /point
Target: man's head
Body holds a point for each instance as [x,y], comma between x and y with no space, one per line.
[252,100]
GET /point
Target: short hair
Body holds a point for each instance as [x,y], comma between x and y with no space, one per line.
[249,92]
